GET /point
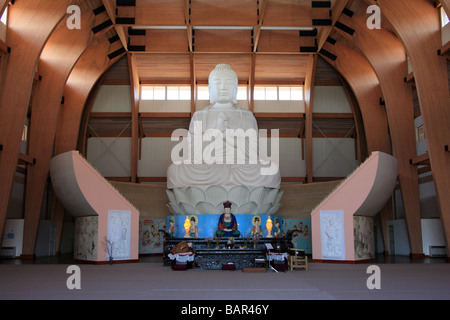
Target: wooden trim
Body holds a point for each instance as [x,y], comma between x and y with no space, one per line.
[110,115]
[293,179]
[120,179]
[333,115]
[165,82]
[262,115]
[3,47]
[164,115]
[152,179]
[26,159]
[135,98]
[420,160]
[309,97]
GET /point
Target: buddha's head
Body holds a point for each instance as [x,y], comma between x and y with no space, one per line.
[223,85]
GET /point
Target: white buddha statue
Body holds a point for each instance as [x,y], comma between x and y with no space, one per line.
[216,156]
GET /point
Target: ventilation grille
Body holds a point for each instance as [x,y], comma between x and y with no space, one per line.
[438,251]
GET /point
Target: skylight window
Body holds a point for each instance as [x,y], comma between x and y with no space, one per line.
[281,93]
[166,93]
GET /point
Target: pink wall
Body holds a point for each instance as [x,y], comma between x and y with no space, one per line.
[102,196]
[364,192]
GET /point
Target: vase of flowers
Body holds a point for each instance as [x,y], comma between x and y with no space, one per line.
[255,241]
[230,243]
[208,242]
[217,239]
[246,240]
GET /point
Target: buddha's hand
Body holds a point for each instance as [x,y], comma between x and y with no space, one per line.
[222,122]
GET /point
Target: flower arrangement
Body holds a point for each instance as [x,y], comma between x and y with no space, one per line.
[255,241]
[217,239]
[246,240]
[230,243]
[208,242]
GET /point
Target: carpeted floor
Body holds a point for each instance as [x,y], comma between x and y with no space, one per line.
[150,280]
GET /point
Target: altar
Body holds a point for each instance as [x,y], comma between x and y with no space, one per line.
[218,255]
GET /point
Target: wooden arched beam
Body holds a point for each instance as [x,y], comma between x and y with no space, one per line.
[361,77]
[30,23]
[446,6]
[359,124]
[89,68]
[416,23]
[57,59]
[387,56]
[3,4]
[86,72]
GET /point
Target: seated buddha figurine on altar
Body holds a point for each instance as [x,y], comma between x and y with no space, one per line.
[211,156]
[228,226]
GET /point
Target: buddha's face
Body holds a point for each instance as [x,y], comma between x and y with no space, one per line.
[222,90]
[223,85]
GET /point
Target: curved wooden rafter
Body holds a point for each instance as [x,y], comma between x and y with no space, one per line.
[417,25]
[375,45]
[88,69]
[41,17]
[45,106]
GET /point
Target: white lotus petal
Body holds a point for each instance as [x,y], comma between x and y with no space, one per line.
[264,209]
[279,196]
[216,195]
[180,196]
[187,208]
[206,208]
[271,196]
[239,195]
[194,195]
[258,195]
[176,210]
[248,208]
[274,209]
[171,197]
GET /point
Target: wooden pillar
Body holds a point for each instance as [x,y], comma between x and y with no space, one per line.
[45,107]
[378,46]
[29,25]
[357,116]
[417,25]
[193,81]
[309,102]
[135,98]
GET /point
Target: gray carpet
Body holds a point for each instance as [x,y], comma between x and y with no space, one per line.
[153,281]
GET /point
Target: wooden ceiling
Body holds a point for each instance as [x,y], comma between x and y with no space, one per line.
[170,36]
[267,41]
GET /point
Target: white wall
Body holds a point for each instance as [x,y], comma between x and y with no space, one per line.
[13,234]
[400,237]
[279,106]
[331,99]
[111,156]
[333,157]
[432,234]
[112,98]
